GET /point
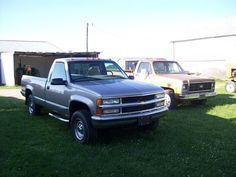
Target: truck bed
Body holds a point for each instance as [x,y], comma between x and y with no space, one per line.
[37,83]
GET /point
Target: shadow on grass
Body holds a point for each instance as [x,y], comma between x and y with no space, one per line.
[222,99]
[182,115]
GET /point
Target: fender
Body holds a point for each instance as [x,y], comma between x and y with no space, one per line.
[84,100]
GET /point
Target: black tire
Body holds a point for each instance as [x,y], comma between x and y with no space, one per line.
[81,127]
[170,101]
[230,86]
[32,108]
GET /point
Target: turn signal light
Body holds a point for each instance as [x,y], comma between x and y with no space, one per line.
[99,111]
[99,101]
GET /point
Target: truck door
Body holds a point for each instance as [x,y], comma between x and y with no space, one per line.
[56,87]
[144,72]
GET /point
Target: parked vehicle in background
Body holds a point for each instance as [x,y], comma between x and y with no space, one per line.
[230,85]
[178,85]
[93,94]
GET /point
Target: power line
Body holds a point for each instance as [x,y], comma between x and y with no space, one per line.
[203,38]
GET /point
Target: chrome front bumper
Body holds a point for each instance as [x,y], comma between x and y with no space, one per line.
[128,118]
[199,96]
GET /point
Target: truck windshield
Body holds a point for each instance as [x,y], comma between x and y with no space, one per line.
[95,70]
[167,67]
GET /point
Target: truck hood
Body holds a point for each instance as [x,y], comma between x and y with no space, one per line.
[119,87]
[185,77]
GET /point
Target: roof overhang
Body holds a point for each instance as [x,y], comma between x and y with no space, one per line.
[58,54]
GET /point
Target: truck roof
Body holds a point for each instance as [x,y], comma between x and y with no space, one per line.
[146,59]
[80,59]
[155,59]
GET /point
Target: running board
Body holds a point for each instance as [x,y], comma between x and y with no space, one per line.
[57,117]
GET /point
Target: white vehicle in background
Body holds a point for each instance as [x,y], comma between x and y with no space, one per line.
[178,85]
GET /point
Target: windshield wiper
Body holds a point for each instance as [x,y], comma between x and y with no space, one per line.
[115,77]
[85,79]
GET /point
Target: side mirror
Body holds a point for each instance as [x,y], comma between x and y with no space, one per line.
[131,77]
[188,72]
[58,81]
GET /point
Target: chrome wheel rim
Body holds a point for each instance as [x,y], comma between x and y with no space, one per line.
[230,88]
[79,130]
[31,106]
[167,100]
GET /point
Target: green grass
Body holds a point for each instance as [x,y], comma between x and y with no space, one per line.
[9,87]
[190,142]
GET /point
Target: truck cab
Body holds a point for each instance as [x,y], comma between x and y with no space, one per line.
[179,86]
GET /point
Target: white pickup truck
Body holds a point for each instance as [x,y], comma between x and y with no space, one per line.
[178,85]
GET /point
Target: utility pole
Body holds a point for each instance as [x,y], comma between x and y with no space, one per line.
[173,50]
[87,37]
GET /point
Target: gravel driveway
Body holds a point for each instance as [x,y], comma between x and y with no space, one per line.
[11,93]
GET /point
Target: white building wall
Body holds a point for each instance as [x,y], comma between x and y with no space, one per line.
[7,68]
[214,49]
[201,55]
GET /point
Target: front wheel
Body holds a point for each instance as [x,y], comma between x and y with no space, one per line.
[82,128]
[32,108]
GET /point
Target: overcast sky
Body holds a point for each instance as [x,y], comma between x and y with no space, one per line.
[117,28]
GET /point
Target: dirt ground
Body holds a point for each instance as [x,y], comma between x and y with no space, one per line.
[11,93]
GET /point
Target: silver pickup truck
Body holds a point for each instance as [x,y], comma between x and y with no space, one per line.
[92,94]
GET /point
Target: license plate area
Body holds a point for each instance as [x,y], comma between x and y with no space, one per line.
[144,121]
[202,96]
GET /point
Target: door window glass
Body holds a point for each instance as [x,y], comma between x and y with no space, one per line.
[145,66]
[59,71]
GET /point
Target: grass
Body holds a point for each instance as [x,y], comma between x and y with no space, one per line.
[190,142]
[9,87]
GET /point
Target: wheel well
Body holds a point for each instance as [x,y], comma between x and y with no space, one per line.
[76,105]
[27,93]
[166,88]
[233,75]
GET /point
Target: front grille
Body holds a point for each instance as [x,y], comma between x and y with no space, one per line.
[138,108]
[200,86]
[135,104]
[138,99]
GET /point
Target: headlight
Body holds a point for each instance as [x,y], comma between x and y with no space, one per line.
[181,87]
[160,95]
[111,101]
[212,86]
[159,104]
[185,87]
[111,111]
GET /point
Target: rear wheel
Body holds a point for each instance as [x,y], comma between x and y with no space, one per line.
[230,86]
[170,101]
[82,128]
[32,108]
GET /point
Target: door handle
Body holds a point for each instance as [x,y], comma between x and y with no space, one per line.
[48,87]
